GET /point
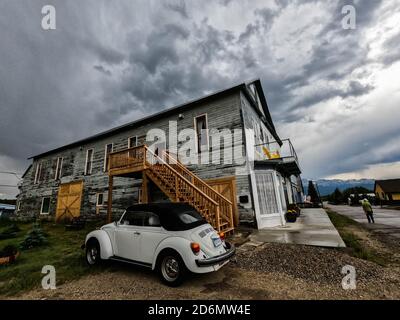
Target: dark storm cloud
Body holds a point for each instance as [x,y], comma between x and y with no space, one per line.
[101,69]
[108,64]
[178,6]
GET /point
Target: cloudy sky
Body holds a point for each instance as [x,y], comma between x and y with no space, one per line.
[334,92]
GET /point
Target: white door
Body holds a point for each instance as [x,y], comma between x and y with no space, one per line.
[266,191]
[151,235]
[128,235]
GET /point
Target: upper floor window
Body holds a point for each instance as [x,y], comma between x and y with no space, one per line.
[132,142]
[58,172]
[45,208]
[38,172]
[201,128]
[89,161]
[107,150]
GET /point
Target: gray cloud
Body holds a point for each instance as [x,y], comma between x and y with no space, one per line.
[109,64]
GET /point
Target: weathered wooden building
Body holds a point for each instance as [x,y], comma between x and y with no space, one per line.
[257,176]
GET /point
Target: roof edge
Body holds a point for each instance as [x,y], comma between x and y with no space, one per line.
[241,86]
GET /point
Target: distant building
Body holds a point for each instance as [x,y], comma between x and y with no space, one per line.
[6,210]
[388,191]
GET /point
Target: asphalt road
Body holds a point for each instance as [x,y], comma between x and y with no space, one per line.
[386,220]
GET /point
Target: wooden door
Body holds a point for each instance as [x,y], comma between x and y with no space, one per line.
[226,186]
[69,200]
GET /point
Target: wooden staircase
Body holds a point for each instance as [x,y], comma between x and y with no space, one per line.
[176,181]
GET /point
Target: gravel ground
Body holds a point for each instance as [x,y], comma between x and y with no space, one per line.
[309,263]
[269,271]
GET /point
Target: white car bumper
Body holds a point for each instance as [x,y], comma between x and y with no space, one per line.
[218,261]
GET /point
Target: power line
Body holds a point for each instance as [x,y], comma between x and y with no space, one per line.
[12,173]
[8,185]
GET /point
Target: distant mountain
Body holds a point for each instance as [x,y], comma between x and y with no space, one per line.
[326,187]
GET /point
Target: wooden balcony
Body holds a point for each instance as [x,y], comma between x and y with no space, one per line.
[128,162]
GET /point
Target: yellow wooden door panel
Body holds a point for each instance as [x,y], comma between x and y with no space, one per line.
[226,186]
[69,200]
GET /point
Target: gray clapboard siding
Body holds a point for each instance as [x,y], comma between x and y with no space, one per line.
[222,113]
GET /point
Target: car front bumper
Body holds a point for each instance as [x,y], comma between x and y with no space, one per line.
[209,262]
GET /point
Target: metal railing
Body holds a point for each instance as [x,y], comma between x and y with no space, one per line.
[273,150]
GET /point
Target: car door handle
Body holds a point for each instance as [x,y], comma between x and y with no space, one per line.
[136,233]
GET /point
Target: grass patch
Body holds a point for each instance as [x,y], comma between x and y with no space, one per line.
[355,246]
[62,251]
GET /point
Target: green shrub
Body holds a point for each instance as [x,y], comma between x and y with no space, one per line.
[10,232]
[35,238]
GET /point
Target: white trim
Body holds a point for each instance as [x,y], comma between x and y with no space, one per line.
[57,177]
[105,155]
[41,207]
[91,161]
[272,219]
[195,129]
[280,192]
[97,199]
[136,140]
[38,172]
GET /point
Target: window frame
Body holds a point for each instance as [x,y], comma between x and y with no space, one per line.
[97,199]
[38,172]
[198,149]
[41,207]
[105,165]
[129,141]
[91,162]
[58,173]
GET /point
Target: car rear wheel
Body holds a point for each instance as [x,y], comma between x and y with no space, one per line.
[172,269]
[93,253]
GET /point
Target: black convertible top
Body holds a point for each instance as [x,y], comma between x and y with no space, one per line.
[170,214]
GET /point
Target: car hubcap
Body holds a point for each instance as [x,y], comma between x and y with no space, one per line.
[170,268]
[92,255]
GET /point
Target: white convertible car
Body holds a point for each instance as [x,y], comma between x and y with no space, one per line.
[171,238]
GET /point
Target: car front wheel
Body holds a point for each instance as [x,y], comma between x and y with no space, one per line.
[172,269]
[93,253]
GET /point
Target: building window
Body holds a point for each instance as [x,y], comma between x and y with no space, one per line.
[99,199]
[45,208]
[140,195]
[38,172]
[107,150]
[58,168]
[201,128]
[132,142]
[89,161]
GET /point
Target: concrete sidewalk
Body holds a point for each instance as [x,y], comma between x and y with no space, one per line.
[313,228]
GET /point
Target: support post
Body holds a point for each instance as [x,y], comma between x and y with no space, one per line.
[109,204]
[145,192]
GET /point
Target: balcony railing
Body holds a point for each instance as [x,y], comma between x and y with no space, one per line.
[273,151]
[131,159]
